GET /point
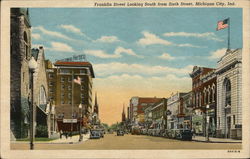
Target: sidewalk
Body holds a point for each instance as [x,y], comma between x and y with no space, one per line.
[63,140]
[215,140]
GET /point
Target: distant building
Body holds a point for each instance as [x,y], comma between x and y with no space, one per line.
[137,106]
[95,116]
[68,95]
[186,110]
[159,118]
[123,115]
[229,95]
[175,114]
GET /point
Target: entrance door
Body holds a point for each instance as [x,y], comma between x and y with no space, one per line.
[228,126]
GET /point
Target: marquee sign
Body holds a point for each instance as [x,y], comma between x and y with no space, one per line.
[74,58]
[69,120]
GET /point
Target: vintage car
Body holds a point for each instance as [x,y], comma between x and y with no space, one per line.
[120,133]
[184,134]
[95,134]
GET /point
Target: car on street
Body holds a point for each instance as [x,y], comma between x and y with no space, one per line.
[95,134]
[120,133]
[184,134]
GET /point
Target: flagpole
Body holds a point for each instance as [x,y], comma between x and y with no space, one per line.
[228,42]
[72,80]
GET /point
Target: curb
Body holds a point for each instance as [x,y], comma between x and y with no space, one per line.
[216,141]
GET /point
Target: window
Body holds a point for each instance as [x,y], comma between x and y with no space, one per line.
[51,75]
[83,71]
[50,83]
[205,96]
[64,71]
[42,96]
[69,80]
[69,95]
[62,95]
[26,43]
[62,101]
[62,79]
[228,92]
[51,90]
[82,95]
[69,102]
[62,86]
[69,87]
[219,121]
[214,94]
[82,87]
[234,119]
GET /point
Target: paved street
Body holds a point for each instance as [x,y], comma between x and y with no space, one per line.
[111,141]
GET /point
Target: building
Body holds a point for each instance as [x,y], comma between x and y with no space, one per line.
[175,114]
[137,106]
[70,89]
[95,116]
[44,113]
[186,110]
[209,102]
[123,115]
[159,117]
[20,54]
[229,95]
[201,90]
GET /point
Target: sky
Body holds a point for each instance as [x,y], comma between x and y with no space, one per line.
[146,52]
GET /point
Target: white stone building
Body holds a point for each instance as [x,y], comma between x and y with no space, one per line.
[229,95]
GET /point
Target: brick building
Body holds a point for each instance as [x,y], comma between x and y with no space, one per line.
[137,107]
[203,94]
[66,94]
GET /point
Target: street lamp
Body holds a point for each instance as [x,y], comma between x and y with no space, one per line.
[80,124]
[32,67]
[207,116]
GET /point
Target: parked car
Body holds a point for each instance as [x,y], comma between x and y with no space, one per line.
[184,134]
[120,133]
[95,134]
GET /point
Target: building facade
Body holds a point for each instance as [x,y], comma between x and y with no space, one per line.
[44,115]
[137,107]
[159,117]
[229,95]
[20,54]
[175,115]
[66,94]
[201,95]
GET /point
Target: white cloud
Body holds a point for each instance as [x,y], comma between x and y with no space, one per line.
[52,33]
[71,28]
[138,69]
[117,53]
[120,50]
[35,36]
[166,56]
[150,39]
[62,47]
[189,45]
[108,39]
[217,54]
[207,35]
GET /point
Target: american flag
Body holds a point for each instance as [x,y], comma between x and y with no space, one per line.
[77,80]
[222,24]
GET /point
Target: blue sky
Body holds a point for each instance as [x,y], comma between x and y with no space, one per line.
[154,45]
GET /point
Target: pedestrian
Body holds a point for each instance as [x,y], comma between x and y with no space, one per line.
[66,135]
[193,132]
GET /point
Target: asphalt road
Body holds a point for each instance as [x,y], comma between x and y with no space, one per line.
[128,142]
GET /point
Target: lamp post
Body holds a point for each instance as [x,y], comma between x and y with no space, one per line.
[80,124]
[32,67]
[207,127]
